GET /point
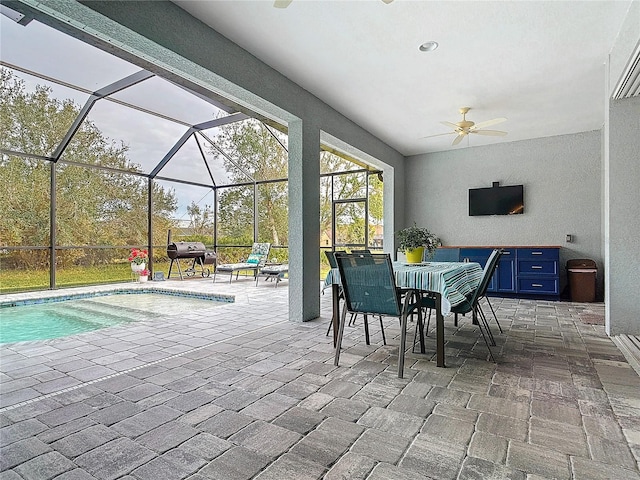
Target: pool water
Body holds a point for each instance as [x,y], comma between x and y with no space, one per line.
[60,319]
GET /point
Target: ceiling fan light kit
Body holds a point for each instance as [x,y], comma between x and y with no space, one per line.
[429,46]
[464,127]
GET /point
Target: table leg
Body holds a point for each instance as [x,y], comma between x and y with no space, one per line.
[335,298]
[439,331]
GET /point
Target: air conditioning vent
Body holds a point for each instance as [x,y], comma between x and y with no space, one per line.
[629,85]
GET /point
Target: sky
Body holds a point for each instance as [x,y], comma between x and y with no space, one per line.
[47,51]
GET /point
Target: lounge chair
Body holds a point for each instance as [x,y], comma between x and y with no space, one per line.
[255,261]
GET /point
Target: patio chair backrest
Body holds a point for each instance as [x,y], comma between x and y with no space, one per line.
[489,269]
[259,253]
[332,258]
[368,283]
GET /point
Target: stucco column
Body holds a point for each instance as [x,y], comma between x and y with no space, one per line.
[304,221]
[622,230]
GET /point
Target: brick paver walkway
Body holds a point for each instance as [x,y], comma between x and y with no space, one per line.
[238,392]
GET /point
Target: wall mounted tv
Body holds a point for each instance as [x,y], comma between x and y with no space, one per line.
[496,200]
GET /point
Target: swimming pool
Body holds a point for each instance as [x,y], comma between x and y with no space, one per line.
[50,318]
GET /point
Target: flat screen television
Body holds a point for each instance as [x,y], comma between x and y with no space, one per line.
[496,200]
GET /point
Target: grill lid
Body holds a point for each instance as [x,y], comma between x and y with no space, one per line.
[185,250]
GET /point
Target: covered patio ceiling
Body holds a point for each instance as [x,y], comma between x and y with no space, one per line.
[540,64]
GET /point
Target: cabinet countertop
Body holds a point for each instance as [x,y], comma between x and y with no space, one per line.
[500,246]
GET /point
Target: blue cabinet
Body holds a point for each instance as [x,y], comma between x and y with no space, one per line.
[521,272]
[506,272]
[504,278]
[537,271]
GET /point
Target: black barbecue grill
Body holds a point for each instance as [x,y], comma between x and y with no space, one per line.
[195,251]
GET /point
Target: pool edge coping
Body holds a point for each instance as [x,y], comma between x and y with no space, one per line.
[54,296]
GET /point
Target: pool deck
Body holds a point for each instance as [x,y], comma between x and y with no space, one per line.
[237,391]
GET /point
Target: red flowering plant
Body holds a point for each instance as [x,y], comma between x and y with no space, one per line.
[138,256]
[145,273]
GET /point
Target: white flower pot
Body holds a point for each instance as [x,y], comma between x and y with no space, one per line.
[137,268]
[143,278]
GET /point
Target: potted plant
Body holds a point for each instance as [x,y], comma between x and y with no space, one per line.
[144,275]
[138,258]
[415,240]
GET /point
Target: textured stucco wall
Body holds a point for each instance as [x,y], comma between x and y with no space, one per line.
[562,194]
[621,190]
[623,280]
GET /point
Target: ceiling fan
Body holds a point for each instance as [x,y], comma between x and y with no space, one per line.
[465,127]
[285,3]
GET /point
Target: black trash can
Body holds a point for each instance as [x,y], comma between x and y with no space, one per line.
[582,273]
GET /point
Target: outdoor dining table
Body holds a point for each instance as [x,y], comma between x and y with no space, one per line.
[449,283]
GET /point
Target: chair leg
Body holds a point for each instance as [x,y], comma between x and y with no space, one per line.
[494,314]
[384,340]
[340,333]
[421,330]
[486,341]
[485,322]
[366,329]
[419,333]
[428,322]
[403,333]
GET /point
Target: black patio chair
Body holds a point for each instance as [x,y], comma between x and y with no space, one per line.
[472,305]
[369,288]
[352,320]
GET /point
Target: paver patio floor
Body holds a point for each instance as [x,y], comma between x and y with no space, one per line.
[239,392]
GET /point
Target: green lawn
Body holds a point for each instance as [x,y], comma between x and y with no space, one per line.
[25,280]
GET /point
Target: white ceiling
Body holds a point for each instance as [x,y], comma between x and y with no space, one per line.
[540,64]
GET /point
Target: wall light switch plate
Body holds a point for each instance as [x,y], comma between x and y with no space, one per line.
[569,238]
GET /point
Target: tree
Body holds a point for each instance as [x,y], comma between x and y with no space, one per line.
[93,206]
[256,154]
[350,216]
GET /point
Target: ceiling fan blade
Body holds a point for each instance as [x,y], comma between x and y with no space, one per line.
[439,135]
[281,3]
[458,139]
[488,123]
[496,133]
[449,124]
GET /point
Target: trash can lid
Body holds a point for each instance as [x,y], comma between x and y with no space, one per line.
[581,263]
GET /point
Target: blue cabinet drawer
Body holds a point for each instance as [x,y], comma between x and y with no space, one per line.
[547,286]
[537,267]
[538,254]
[508,253]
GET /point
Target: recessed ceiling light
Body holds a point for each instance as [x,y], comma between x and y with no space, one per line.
[428,46]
